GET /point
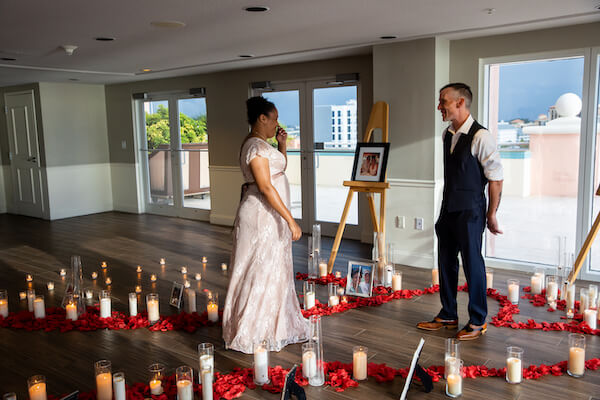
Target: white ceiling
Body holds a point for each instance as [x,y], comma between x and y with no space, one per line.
[218,31]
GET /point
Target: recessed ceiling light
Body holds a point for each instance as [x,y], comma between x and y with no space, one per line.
[105,39]
[146,70]
[168,24]
[257,9]
[246,55]
[388,37]
[8,59]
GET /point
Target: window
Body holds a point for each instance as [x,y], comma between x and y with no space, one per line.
[349,129]
[333,121]
[332,137]
[348,113]
[339,128]
[333,129]
[349,136]
[333,114]
[339,113]
[339,137]
[349,122]
[339,121]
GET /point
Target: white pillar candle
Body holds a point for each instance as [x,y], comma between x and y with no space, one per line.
[207,361]
[359,365]
[190,300]
[435,276]
[536,284]
[39,308]
[590,317]
[322,269]
[4,307]
[397,282]
[37,391]
[156,387]
[334,301]
[104,386]
[489,277]
[570,297]
[119,386]
[185,390]
[514,370]
[309,300]
[213,311]
[71,311]
[513,293]
[454,384]
[309,364]
[576,363]
[105,307]
[153,312]
[207,384]
[552,290]
[261,365]
[132,304]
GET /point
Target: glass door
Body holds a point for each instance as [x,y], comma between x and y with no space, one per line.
[174,151]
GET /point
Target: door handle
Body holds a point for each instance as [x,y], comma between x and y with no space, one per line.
[32,159]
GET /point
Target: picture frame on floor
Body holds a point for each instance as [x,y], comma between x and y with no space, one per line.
[176,294]
[359,279]
[370,162]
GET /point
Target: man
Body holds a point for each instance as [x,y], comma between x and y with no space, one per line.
[471,160]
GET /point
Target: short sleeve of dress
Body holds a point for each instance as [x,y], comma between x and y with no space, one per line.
[255,149]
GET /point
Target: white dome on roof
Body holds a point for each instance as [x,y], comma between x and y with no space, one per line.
[568,105]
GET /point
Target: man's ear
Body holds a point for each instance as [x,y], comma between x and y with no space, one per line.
[460,102]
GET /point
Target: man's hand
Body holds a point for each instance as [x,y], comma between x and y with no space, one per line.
[492,224]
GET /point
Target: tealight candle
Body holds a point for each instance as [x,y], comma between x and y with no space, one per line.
[37,387]
[186,284]
[162,261]
[590,317]
[4,303]
[22,295]
[570,313]
[108,281]
[152,307]
[139,269]
[261,363]
[63,272]
[138,289]
[29,278]
[204,260]
[132,304]
[153,277]
[322,269]
[344,299]
[198,277]
[183,270]
[50,286]
[435,277]
[88,293]
[94,275]
[119,386]
[359,363]
[513,291]
[104,265]
[576,362]
[223,267]
[338,274]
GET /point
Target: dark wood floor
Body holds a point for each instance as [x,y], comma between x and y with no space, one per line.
[40,247]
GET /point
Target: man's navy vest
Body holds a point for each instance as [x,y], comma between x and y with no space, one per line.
[464,181]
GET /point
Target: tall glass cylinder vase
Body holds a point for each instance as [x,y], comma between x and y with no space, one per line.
[206,356]
[452,354]
[156,377]
[185,383]
[313,266]
[316,338]
[75,285]
[261,362]
[566,271]
[333,299]
[316,239]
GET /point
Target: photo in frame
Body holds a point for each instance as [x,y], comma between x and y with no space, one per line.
[359,281]
[176,294]
[370,162]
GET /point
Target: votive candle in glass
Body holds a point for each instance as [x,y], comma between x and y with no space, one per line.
[309,295]
[22,295]
[105,304]
[29,278]
[119,386]
[454,379]
[4,303]
[552,286]
[71,308]
[108,281]
[198,276]
[397,280]
[513,291]
[489,278]
[157,375]
[206,356]
[261,362]
[322,269]
[334,299]
[359,363]
[138,269]
[104,382]
[103,265]
[576,363]
[36,385]
[39,308]
[94,275]
[185,383]
[590,316]
[212,307]
[204,260]
[50,286]
[152,307]
[514,366]
[132,304]
[309,360]
[570,297]
[435,277]
[138,289]
[153,278]
[452,354]
[536,283]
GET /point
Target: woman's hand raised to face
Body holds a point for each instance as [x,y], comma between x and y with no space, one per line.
[281,135]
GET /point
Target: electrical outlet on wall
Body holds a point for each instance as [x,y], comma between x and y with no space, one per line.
[400,222]
[419,223]
[123,144]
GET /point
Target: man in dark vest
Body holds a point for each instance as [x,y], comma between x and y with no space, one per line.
[471,161]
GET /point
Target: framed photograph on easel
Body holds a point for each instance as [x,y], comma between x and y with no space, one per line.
[359,281]
[370,162]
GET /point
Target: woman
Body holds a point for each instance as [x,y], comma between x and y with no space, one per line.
[261,300]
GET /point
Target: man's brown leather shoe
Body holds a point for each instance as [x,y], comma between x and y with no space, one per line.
[437,324]
[469,333]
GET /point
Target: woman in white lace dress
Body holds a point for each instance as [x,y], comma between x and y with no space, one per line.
[261,300]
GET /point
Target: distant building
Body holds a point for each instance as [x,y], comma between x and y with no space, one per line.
[335,125]
[552,113]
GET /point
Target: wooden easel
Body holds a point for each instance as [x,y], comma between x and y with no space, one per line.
[379,118]
[587,245]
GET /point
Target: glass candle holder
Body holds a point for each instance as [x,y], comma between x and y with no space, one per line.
[104,382]
[552,303]
[435,277]
[454,379]
[183,270]
[190,300]
[570,295]
[323,269]
[388,274]
[138,289]
[94,275]
[206,356]
[224,267]
[198,276]
[316,238]
[88,293]
[138,269]
[315,336]
[71,311]
[119,386]
[552,282]
[29,278]
[133,304]
[397,280]
[593,293]
[153,307]
[3,303]
[334,299]
[537,281]
[36,386]
[514,366]
[576,363]
[30,299]
[590,316]
[489,278]
[50,286]
[513,291]
[309,360]
[261,362]
[309,295]
[452,354]
[206,378]
[103,265]
[105,304]
[163,261]
[185,383]
[313,265]
[212,307]
[584,300]
[359,363]
[39,308]
[22,295]
[156,375]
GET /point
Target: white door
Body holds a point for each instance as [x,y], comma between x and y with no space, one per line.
[24,154]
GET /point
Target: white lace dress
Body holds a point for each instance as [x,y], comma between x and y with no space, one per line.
[261,302]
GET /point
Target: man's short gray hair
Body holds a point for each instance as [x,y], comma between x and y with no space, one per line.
[463,91]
